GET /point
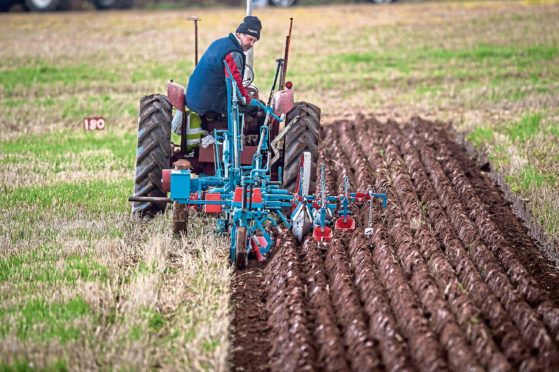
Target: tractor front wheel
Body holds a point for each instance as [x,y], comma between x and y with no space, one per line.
[153,153]
[303,135]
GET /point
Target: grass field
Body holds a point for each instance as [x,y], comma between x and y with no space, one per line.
[84,286]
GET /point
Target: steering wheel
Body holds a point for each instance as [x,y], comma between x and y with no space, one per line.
[248,77]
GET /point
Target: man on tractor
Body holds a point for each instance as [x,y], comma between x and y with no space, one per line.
[207,93]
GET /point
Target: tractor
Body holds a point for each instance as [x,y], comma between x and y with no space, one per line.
[298,133]
[258,177]
[292,129]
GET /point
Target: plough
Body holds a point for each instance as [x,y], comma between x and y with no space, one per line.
[251,203]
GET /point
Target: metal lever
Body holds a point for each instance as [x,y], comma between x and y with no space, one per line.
[369,229]
[195,20]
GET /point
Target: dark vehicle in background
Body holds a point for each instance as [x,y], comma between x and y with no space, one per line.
[52,5]
[288,3]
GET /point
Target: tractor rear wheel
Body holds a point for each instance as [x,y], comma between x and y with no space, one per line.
[302,136]
[153,153]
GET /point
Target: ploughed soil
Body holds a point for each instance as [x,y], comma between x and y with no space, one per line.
[449,280]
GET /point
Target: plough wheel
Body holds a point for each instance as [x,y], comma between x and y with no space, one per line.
[153,152]
[302,136]
[241,254]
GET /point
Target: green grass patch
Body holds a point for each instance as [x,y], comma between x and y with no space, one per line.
[554,129]
[93,196]
[53,319]
[529,178]
[480,135]
[48,148]
[25,365]
[369,60]
[495,53]
[156,321]
[51,75]
[447,59]
[41,266]
[136,333]
[430,90]
[525,128]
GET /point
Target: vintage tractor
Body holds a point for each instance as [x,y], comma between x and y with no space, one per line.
[299,132]
[255,182]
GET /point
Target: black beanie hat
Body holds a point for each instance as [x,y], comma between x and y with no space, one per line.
[250,26]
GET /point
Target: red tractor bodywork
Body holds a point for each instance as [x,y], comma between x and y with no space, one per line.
[203,159]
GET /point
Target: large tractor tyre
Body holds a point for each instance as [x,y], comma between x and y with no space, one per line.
[153,153]
[302,136]
[41,5]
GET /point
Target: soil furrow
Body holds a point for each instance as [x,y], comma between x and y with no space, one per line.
[462,307]
[251,332]
[439,285]
[425,349]
[458,350]
[360,348]
[478,213]
[449,258]
[495,240]
[511,226]
[292,347]
[382,322]
[532,329]
[330,346]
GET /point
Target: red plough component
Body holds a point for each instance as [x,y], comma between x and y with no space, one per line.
[256,243]
[345,223]
[213,208]
[194,196]
[322,234]
[323,205]
[166,180]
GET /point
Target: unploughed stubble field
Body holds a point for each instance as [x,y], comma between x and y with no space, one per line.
[84,286]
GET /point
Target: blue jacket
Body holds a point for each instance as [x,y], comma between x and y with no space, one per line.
[207,90]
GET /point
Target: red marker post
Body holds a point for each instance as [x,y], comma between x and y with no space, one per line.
[94,123]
